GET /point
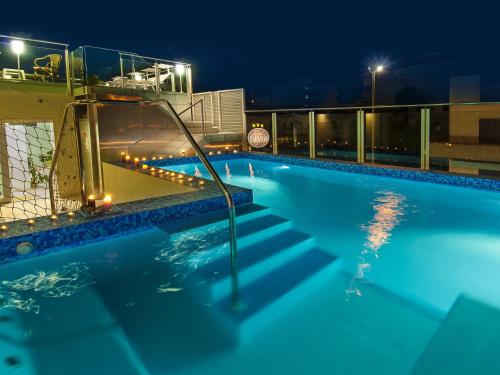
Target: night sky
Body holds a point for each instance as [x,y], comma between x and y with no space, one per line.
[255,44]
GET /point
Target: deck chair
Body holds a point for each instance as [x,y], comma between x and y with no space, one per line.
[51,68]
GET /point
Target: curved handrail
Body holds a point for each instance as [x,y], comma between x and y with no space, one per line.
[169,110]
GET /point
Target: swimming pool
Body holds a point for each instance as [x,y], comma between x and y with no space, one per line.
[373,267]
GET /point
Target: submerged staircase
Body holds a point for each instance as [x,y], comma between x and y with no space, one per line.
[278,265]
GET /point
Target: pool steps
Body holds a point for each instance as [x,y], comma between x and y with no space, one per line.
[278,266]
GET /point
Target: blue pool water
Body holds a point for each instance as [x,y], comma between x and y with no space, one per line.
[345,273]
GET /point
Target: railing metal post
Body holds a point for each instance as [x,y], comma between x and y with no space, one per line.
[69,75]
[424,138]
[189,80]
[312,135]
[157,76]
[121,71]
[274,132]
[203,119]
[172,79]
[360,121]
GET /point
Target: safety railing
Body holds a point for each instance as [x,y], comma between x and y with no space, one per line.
[453,137]
[166,108]
[96,66]
[34,60]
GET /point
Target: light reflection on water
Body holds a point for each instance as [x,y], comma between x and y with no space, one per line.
[389,210]
[192,250]
[23,293]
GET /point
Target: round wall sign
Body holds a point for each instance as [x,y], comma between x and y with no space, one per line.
[258,137]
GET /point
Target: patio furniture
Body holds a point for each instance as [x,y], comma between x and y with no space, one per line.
[8,73]
[50,70]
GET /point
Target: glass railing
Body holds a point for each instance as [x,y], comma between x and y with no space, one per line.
[461,138]
[293,134]
[392,136]
[95,66]
[466,139]
[336,136]
[31,60]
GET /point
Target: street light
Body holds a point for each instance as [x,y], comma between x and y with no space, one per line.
[17,47]
[374,70]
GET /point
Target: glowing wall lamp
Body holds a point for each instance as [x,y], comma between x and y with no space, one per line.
[17,47]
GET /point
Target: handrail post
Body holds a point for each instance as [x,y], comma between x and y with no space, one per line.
[274,132]
[69,72]
[121,71]
[157,78]
[312,135]
[424,137]
[203,120]
[360,123]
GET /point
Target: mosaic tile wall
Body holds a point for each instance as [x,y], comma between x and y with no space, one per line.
[47,235]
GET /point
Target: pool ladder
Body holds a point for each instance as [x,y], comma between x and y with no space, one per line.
[166,108]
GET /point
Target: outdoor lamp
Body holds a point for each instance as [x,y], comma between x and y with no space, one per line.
[17,47]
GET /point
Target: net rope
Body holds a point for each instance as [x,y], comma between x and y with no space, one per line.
[26,154]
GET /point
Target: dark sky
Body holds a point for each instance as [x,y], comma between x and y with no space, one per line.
[254,44]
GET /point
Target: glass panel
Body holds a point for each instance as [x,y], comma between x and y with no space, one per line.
[293,133]
[336,136]
[40,63]
[78,66]
[264,121]
[102,66]
[396,139]
[466,139]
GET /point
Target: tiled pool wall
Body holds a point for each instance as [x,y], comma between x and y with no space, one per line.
[444,178]
[133,216]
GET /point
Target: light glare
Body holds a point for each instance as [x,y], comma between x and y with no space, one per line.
[17,46]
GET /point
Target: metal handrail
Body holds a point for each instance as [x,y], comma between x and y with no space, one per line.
[179,114]
[33,40]
[169,110]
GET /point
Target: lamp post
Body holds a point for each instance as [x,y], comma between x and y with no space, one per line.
[17,47]
[374,70]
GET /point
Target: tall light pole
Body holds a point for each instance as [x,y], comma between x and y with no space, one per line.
[17,47]
[374,70]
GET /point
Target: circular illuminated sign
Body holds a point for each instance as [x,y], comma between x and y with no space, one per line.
[258,137]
